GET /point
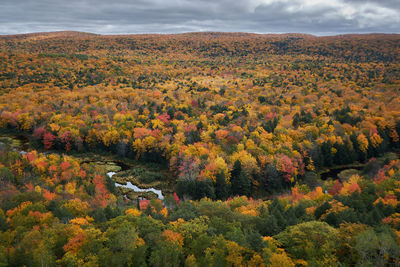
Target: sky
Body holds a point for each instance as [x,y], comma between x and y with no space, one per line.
[318,17]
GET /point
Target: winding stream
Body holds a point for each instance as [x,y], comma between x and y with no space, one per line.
[137,189]
[22,144]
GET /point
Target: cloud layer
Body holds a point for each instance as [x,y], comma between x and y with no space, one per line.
[321,17]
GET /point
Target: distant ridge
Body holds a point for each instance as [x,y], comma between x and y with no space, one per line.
[48,35]
[378,47]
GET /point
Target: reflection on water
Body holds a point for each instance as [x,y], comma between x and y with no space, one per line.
[137,189]
[22,144]
[110,174]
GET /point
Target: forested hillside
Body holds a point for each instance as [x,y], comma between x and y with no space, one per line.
[271,150]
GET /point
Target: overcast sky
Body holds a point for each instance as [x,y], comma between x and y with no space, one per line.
[320,17]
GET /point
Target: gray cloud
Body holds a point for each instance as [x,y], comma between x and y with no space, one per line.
[319,17]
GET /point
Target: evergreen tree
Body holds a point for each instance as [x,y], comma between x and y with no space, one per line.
[241,184]
[237,169]
[332,219]
[326,153]
[290,216]
[221,188]
[255,241]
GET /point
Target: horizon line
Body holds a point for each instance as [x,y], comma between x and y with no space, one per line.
[197,32]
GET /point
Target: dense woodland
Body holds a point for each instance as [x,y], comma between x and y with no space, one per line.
[242,126]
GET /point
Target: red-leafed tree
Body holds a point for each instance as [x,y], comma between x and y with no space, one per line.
[101,191]
[66,139]
[48,140]
[39,132]
[336,187]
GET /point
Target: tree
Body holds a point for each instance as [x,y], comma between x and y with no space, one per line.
[280,259]
[241,183]
[122,241]
[377,249]
[221,188]
[348,232]
[197,189]
[166,254]
[255,241]
[6,176]
[216,254]
[314,242]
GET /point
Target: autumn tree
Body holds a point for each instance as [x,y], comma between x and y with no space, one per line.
[314,242]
